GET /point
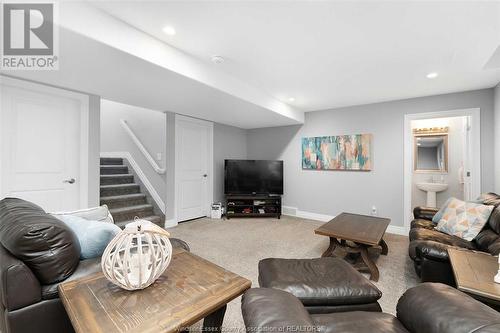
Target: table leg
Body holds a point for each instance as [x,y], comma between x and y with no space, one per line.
[374,274]
[331,248]
[385,249]
[213,322]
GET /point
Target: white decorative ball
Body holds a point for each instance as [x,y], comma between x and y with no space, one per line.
[137,256]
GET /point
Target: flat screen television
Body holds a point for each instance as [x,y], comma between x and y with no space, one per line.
[251,177]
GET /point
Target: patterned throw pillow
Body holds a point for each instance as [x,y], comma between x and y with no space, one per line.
[464,219]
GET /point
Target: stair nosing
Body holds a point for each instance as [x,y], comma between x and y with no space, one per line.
[119,185]
[130,208]
[123,196]
[118,175]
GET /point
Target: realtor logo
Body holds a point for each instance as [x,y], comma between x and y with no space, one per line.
[29,36]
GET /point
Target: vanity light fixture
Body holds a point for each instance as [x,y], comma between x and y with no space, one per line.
[291,99]
[432,75]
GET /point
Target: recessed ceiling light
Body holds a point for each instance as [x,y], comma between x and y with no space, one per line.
[291,99]
[217,59]
[169,30]
[432,75]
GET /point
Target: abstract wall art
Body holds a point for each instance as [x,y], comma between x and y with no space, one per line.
[341,152]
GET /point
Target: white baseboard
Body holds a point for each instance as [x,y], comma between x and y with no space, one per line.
[125,154]
[170,223]
[397,230]
[294,211]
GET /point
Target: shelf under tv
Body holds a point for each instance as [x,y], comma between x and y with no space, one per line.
[253,206]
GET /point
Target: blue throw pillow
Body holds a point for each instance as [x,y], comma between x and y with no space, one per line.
[93,236]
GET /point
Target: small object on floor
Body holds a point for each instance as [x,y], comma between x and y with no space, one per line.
[217,211]
[137,256]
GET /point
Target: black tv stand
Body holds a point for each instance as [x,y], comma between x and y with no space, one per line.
[253,206]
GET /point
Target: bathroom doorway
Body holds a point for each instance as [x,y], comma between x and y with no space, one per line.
[442,158]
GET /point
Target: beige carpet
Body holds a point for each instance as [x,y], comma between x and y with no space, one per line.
[239,244]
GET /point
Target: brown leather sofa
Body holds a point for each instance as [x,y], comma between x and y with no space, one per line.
[428,247]
[426,308]
[37,252]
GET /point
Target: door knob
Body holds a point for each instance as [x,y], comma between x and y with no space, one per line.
[205,176]
[69,181]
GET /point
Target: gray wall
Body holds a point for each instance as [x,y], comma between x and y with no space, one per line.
[497,138]
[229,143]
[331,192]
[94,149]
[149,126]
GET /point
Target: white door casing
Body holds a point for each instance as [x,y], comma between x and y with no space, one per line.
[193,167]
[43,145]
[474,159]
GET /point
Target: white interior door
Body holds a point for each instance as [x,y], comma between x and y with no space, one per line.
[40,148]
[193,167]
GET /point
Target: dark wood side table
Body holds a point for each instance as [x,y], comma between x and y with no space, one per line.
[362,230]
[191,289]
[474,272]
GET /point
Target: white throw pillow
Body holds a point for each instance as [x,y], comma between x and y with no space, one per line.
[100,214]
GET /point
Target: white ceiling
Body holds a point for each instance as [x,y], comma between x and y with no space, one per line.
[332,54]
[89,66]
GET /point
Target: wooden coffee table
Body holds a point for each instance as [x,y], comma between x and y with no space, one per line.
[474,272]
[191,289]
[356,233]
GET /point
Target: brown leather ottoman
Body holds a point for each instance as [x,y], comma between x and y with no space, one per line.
[323,285]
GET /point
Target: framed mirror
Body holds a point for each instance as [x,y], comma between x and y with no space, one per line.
[431,150]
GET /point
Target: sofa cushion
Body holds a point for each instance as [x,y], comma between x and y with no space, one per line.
[464,219]
[440,237]
[420,223]
[358,322]
[45,244]
[485,238]
[322,281]
[437,308]
[85,268]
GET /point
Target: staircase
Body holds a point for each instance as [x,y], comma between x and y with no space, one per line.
[122,195]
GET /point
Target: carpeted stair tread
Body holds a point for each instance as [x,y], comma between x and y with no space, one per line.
[130,212]
[118,201]
[119,189]
[117,179]
[111,161]
[153,218]
[113,169]
[123,197]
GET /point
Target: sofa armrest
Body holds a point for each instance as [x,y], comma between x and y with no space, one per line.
[19,286]
[438,308]
[272,310]
[424,213]
[432,250]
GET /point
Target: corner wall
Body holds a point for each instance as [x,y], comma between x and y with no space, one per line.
[332,192]
[229,143]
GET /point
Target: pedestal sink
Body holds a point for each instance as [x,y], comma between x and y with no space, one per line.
[432,189]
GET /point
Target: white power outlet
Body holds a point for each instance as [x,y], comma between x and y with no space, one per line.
[158,156]
[374,211]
